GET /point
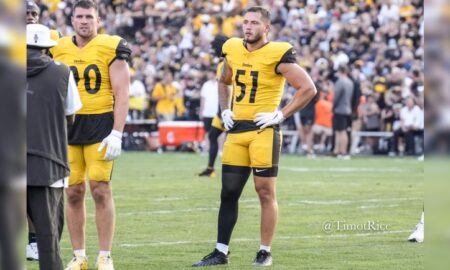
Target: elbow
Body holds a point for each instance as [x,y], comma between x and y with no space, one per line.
[311,91]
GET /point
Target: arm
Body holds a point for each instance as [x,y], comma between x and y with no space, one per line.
[73,102]
[158,92]
[338,92]
[120,82]
[225,96]
[202,101]
[225,91]
[300,80]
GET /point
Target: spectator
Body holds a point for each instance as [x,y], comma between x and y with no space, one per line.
[371,117]
[411,124]
[164,94]
[323,120]
[307,117]
[342,110]
[209,103]
[137,100]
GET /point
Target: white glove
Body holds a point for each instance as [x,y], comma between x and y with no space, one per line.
[266,119]
[227,119]
[113,143]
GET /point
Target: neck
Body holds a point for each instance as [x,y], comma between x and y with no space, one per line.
[82,41]
[256,45]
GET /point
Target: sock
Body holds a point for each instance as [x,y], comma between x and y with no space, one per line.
[263,247]
[422,218]
[104,253]
[80,252]
[31,238]
[233,182]
[214,134]
[222,248]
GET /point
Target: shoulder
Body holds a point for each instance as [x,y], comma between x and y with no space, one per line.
[280,46]
[157,87]
[283,51]
[62,43]
[231,44]
[54,35]
[115,46]
[111,41]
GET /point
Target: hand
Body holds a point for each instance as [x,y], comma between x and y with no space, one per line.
[113,143]
[265,119]
[227,119]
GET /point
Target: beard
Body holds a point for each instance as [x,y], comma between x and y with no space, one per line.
[85,33]
[257,38]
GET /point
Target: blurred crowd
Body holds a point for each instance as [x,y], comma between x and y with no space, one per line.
[381,42]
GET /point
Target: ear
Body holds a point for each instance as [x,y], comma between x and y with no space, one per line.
[267,28]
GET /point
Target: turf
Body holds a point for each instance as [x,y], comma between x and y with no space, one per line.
[167,216]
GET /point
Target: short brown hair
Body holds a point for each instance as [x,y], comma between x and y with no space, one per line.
[343,69]
[86,4]
[265,14]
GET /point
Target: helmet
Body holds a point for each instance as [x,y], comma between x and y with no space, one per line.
[216,45]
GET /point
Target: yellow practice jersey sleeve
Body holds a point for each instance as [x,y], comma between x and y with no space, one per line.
[218,74]
[219,70]
[90,67]
[257,86]
[55,35]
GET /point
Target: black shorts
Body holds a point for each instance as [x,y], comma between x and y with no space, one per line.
[207,121]
[307,120]
[341,122]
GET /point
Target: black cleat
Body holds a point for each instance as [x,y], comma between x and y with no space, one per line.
[208,172]
[214,258]
[263,258]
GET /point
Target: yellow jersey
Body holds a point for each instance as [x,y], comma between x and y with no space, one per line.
[167,103]
[90,67]
[257,86]
[54,35]
[219,70]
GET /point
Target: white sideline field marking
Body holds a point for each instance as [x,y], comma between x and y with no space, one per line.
[344,169]
[285,238]
[188,210]
[169,199]
[340,202]
[377,206]
[296,203]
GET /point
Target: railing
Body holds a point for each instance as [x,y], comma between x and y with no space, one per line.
[137,132]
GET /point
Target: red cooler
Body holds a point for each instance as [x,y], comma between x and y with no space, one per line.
[175,133]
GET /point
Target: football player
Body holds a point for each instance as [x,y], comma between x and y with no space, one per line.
[216,126]
[257,68]
[99,64]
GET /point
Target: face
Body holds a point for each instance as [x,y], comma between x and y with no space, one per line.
[254,27]
[32,17]
[410,102]
[85,22]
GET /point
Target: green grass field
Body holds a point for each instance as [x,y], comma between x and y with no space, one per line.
[167,216]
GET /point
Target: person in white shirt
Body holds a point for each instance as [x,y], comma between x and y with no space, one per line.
[209,102]
[137,100]
[411,125]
